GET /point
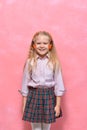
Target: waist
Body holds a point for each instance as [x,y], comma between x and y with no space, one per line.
[40,87]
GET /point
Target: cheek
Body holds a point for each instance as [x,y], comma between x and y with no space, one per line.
[47,46]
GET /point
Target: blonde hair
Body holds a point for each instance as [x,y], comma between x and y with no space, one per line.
[53,58]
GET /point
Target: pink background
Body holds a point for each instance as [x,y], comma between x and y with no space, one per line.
[66,20]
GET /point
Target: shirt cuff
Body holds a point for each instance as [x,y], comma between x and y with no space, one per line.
[60,93]
[22,93]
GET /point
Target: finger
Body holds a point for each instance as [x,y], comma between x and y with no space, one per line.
[57,114]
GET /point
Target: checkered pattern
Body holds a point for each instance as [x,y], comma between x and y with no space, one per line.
[40,105]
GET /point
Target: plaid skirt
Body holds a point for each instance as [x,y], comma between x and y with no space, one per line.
[40,105]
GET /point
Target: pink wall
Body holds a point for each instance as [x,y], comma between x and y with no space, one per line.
[66,20]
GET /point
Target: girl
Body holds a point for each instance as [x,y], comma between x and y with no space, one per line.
[42,84]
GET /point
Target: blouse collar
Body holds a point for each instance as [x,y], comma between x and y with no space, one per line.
[46,56]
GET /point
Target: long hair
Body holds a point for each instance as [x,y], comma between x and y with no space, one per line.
[53,58]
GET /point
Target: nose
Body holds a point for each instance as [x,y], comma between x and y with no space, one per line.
[42,45]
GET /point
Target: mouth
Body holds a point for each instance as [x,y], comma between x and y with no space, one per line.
[41,49]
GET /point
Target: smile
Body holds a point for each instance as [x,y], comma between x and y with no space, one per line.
[41,49]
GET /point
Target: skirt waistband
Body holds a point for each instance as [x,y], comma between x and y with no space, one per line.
[39,87]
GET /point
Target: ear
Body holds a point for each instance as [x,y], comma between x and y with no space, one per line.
[34,46]
[50,46]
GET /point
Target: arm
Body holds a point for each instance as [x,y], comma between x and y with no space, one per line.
[59,83]
[59,90]
[24,102]
[58,101]
[24,91]
[57,107]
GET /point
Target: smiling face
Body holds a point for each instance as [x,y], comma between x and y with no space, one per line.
[41,45]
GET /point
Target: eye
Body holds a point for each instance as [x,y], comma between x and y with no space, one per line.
[45,43]
[38,43]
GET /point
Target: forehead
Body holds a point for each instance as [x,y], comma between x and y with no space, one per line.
[42,38]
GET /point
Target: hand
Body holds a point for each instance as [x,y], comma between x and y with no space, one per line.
[57,110]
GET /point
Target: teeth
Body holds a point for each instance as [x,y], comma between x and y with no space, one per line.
[41,49]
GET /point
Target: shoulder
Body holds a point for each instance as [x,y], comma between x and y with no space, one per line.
[27,61]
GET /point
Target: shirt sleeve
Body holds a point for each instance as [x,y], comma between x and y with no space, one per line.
[26,76]
[59,84]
